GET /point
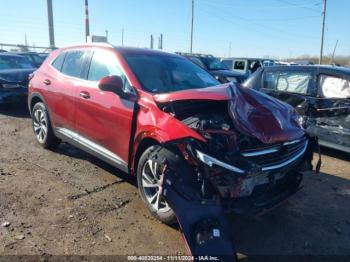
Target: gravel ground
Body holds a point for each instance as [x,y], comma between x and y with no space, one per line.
[67,202]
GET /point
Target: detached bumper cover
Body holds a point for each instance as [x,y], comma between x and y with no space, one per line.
[203,225]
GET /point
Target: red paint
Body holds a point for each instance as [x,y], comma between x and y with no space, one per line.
[221,92]
[106,119]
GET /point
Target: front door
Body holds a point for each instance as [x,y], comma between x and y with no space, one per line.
[103,119]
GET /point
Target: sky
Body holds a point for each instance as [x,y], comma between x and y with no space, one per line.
[253,28]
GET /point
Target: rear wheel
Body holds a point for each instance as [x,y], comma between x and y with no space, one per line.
[149,171]
[42,127]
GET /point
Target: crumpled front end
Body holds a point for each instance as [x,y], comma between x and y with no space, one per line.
[254,152]
[249,160]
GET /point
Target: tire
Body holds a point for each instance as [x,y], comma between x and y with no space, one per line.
[148,172]
[42,127]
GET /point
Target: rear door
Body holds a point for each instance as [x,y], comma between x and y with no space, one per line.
[61,85]
[332,111]
[103,119]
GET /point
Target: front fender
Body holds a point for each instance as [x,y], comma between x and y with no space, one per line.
[161,127]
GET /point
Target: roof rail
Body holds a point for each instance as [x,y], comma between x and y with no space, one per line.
[193,54]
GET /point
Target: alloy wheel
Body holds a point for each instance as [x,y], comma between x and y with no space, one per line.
[40,125]
[151,186]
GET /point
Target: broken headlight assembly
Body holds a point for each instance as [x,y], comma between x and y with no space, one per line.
[299,119]
[210,161]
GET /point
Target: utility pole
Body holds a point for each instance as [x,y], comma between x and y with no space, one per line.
[160,42]
[123,37]
[50,21]
[191,48]
[87,21]
[107,35]
[25,39]
[322,32]
[229,49]
[151,42]
[335,47]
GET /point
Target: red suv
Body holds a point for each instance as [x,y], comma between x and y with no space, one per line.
[152,113]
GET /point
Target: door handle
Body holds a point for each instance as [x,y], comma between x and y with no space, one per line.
[84,94]
[47,82]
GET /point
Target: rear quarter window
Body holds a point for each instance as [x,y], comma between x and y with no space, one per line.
[58,62]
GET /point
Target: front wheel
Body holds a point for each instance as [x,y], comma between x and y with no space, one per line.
[149,171]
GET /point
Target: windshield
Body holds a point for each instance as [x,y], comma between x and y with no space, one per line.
[14,62]
[164,74]
[213,63]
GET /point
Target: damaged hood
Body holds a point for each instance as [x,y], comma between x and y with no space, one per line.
[264,117]
[220,92]
[253,113]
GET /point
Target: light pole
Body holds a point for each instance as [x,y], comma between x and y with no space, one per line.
[87,22]
[191,48]
[50,21]
[123,37]
[322,31]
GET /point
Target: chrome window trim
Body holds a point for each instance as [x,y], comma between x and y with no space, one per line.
[260,152]
[288,161]
[291,142]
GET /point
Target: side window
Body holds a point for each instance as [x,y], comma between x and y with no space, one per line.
[334,87]
[270,80]
[228,63]
[73,63]
[294,81]
[58,62]
[103,64]
[239,65]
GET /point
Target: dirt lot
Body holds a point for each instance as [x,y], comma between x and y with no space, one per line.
[68,202]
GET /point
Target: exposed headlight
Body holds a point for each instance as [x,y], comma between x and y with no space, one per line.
[300,120]
[210,161]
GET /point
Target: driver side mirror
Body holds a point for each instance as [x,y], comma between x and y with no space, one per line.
[112,84]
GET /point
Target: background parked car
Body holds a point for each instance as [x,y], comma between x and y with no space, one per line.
[246,66]
[33,57]
[320,93]
[43,55]
[14,73]
[215,67]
